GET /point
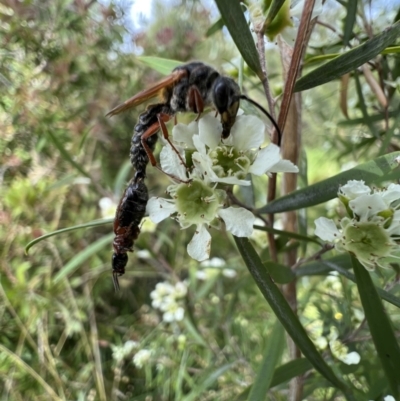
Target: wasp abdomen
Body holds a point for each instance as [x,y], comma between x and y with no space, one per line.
[130,212]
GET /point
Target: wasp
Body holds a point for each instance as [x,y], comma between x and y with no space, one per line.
[189,88]
[130,212]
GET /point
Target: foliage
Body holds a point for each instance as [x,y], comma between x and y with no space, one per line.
[66,334]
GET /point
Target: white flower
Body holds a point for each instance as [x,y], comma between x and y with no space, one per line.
[229,273]
[198,204]
[196,199]
[141,358]
[166,298]
[372,231]
[213,262]
[121,352]
[230,160]
[173,312]
[352,358]
[354,189]
[107,207]
[388,398]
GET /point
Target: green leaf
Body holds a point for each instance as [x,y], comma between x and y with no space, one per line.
[66,156]
[286,315]
[273,11]
[215,27]
[233,17]
[93,223]
[162,65]
[349,21]
[286,233]
[380,327]
[81,257]
[350,60]
[363,106]
[273,353]
[383,168]
[208,382]
[290,370]
[281,274]
[342,264]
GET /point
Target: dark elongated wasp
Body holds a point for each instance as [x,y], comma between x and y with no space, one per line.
[130,212]
[189,88]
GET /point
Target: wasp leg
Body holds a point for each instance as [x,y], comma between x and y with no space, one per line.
[195,101]
[165,133]
[115,281]
[154,128]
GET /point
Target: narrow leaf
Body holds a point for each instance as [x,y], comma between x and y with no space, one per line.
[349,21]
[81,257]
[233,17]
[208,382]
[350,60]
[66,156]
[380,327]
[273,353]
[282,375]
[286,233]
[215,27]
[290,370]
[273,11]
[342,265]
[162,65]
[286,315]
[93,223]
[383,168]
[281,274]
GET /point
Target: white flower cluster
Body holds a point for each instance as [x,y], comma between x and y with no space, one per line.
[372,230]
[120,352]
[142,357]
[168,299]
[212,268]
[197,199]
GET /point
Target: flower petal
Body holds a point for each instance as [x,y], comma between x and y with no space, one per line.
[352,358]
[200,245]
[391,194]
[266,158]
[326,229]
[159,209]
[210,130]
[171,163]
[238,221]
[247,133]
[366,205]
[354,189]
[184,133]
[284,166]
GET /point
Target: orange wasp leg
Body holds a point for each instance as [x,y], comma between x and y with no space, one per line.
[153,129]
[195,101]
[165,133]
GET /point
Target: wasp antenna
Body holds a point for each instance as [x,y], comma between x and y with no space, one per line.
[115,281]
[244,97]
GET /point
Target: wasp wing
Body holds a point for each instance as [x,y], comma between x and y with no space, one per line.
[147,94]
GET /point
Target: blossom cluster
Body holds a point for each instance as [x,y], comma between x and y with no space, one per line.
[372,229]
[168,299]
[200,162]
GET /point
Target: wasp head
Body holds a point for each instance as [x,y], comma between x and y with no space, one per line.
[226,98]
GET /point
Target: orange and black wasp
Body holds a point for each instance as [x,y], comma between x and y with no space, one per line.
[189,88]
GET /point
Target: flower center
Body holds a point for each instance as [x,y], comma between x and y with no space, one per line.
[197,203]
[228,162]
[367,239]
